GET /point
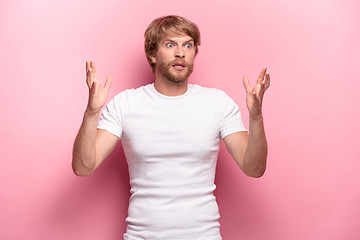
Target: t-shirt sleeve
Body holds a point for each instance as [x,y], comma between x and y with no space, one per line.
[110,119]
[231,118]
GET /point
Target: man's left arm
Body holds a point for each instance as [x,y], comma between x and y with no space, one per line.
[250,150]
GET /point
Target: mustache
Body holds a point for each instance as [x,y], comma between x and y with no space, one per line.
[186,64]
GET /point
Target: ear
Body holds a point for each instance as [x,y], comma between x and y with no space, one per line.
[153,59]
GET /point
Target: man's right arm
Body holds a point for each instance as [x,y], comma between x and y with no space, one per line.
[92,145]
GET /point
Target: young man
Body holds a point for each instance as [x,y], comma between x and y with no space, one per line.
[170,131]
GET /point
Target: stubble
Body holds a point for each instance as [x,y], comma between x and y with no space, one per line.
[173,75]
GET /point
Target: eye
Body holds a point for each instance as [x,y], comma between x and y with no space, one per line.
[188,45]
[169,45]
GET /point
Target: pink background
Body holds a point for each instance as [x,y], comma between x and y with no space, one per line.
[312,48]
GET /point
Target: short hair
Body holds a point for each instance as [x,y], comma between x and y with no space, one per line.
[164,24]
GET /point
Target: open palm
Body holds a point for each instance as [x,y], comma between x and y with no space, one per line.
[97,93]
[255,95]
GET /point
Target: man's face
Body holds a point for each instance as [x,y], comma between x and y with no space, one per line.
[175,57]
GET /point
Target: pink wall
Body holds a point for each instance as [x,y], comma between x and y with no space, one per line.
[311,187]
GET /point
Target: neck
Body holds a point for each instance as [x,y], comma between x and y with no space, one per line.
[169,88]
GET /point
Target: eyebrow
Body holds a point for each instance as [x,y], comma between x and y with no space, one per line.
[188,41]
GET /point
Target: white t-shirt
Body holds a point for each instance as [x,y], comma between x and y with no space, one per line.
[171,146]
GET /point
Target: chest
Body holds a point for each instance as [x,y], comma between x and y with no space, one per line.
[154,129]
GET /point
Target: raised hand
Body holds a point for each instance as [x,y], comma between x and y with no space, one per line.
[97,93]
[255,95]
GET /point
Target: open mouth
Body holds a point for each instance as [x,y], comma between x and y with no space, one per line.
[179,66]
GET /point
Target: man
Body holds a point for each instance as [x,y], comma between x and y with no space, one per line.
[170,131]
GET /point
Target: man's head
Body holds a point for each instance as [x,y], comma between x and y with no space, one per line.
[164,28]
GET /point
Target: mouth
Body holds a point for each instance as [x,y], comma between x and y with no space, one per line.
[179,66]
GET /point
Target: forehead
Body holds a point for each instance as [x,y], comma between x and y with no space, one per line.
[176,37]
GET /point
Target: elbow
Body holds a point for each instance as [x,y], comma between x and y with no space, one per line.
[256,174]
[255,168]
[80,171]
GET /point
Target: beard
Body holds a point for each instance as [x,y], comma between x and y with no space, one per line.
[173,75]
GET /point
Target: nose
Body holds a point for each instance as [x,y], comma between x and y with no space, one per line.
[179,53]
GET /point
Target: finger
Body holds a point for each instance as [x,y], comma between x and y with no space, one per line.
[267,80]
[108,84]
[89,78]
[89,66]
[261,90]
[261,75]
[264,85]
[246,84]
[95,76]
[92,65]
[93,88]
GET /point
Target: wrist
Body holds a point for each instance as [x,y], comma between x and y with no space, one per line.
[257,117]
[90,112]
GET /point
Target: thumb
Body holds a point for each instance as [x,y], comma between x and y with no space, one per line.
[108,83]
[247,84]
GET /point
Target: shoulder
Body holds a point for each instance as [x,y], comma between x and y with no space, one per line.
[211,92]
[133,92]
